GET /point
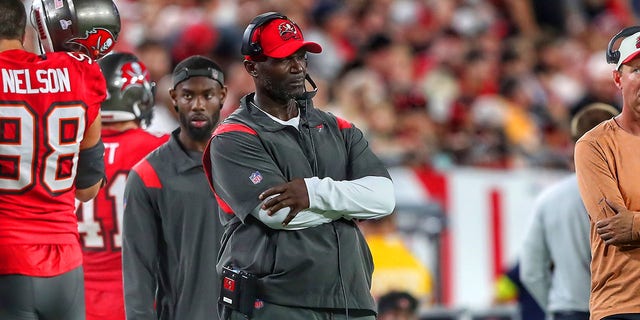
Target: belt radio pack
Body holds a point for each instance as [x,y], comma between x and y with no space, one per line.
[238,290]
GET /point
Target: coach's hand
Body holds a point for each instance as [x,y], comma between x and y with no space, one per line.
[292,194]
[616,230]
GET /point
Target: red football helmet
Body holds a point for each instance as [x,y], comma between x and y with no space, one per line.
[130,91]
[87,26]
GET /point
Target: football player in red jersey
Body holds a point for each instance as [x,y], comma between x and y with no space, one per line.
[50,154]
[129,102]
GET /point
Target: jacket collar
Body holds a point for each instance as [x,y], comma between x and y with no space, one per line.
[182,160]
[260,118]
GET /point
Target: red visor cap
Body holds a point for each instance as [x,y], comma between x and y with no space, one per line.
[280,38]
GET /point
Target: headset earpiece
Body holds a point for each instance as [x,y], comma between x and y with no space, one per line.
[249,47]
[613,56]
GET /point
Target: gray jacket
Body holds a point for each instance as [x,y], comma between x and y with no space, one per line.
[327,266]
[171,238]
[556,254]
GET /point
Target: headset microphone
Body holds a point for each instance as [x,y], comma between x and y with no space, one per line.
[303,103]
[308,95]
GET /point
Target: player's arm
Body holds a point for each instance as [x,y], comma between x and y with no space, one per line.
[287,205]
[535,258]
[368,197]
[242,194]
[622,229]
[596,181]
[141,232]
[91,172]
[367,193]
[601,196]
[241,170]
[304,219]
[369,181]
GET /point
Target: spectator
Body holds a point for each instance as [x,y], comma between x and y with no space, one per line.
[396,267]
[397,305]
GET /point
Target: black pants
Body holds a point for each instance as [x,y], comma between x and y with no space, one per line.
[269,311]
[625,316]
[571,315]
[33,298]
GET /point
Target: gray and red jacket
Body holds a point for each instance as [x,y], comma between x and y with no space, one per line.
[316,267]
[171,237]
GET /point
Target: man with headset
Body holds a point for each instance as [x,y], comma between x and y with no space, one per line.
[607,166]
[290,181]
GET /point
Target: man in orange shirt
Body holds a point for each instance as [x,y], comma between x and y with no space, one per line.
[607,165]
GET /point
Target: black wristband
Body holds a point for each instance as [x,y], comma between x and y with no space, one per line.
[90,166]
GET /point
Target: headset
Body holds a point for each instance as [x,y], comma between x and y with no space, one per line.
[614,55]
[251,48]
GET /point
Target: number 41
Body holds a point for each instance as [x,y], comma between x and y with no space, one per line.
[91,227]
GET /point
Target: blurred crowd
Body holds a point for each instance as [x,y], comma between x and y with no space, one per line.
[484,83]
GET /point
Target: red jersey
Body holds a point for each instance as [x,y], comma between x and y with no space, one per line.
[46,105]
[100,221]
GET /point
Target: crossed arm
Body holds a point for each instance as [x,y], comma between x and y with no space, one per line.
[304,203]
[600,190]
[619,230]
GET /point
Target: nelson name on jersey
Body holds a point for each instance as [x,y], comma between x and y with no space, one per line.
[22,81]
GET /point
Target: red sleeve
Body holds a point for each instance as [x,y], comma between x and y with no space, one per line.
[95,89]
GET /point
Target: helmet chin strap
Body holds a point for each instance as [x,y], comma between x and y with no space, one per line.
[41,47]
[34,25]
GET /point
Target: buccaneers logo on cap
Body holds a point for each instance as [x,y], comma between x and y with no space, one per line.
[133,74]
[288,31]
[97,42]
